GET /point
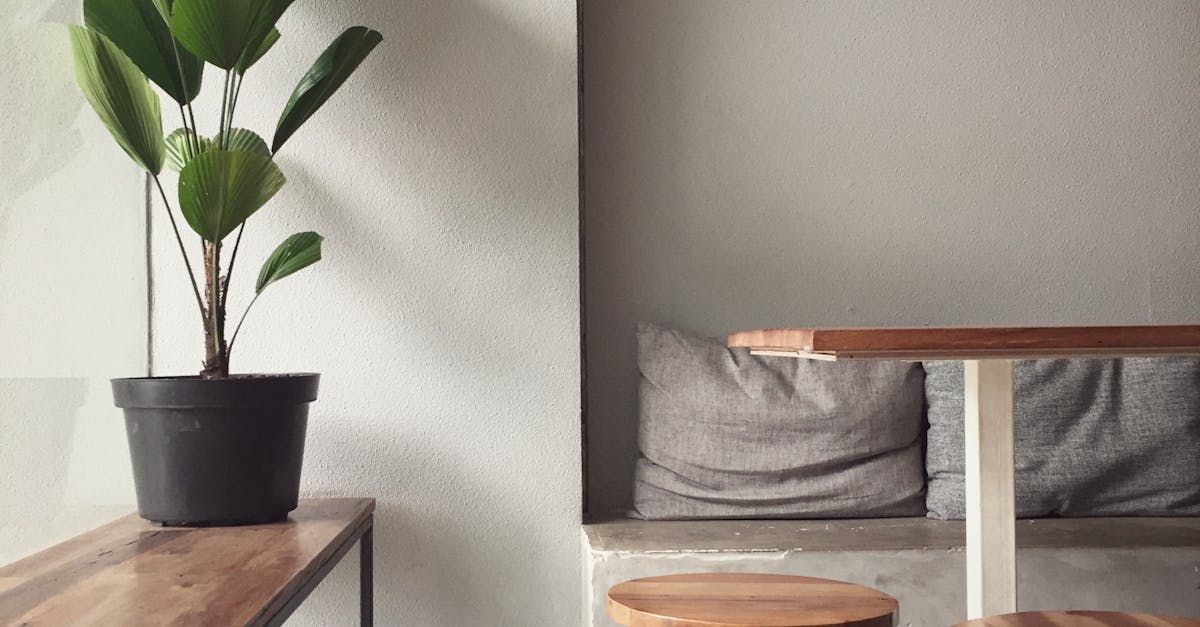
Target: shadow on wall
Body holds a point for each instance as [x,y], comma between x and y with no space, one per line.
[427,563]
[37,420]
[41,102]
[449,250]
[437,145]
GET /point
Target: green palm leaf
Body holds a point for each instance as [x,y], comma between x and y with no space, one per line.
[223,32]
[294,254]
[138,29]
[164,9]
[219,189]
[121,96]
[181,149]
[243,140]
[248,59]
[331,69]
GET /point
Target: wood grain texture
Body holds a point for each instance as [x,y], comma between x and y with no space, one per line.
[1081,619]
[746,599]
[975,342]
[131,573]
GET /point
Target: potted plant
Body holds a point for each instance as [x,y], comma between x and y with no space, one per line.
[213,448]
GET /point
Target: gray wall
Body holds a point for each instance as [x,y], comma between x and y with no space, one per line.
[773,163]
[72,291]
[444,317]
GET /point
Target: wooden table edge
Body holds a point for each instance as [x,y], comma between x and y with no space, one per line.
[969,355]
[282,605]
[1039,616]
[912,343]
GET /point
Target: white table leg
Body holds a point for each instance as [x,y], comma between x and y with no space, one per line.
[991,506]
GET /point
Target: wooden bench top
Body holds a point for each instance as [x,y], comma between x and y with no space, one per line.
[972,342]
[131,573]
[1081,619]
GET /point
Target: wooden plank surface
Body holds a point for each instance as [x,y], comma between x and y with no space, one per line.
[131,573]
[974,342]
[1081,619]
[733,599]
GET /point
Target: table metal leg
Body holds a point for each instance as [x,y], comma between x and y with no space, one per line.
[366,577]
[991,504]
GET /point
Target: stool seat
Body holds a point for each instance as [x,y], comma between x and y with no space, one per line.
[747,599]
[1081,619]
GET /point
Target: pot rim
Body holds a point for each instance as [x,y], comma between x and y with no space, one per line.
[238,391]
[241,376]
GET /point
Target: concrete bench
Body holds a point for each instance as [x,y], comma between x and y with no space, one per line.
[1122,564]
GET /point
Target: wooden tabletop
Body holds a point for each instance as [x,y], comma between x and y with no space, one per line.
[1081,619]
[973,342]
[131,573]
[733,599]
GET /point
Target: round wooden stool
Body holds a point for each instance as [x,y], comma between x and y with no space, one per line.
[744,599]
[1081,619]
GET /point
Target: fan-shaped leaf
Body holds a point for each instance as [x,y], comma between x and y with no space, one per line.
[164,9]
[181,149]
[331,69]
[294,254]
[248,60]
[219,189]
[263,33]
[243,140]
[138,29]
[121,96]
[223,31]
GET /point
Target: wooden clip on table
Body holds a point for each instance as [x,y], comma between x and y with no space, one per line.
[987,354]
[131,573]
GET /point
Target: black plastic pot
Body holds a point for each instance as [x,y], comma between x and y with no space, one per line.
[216,452]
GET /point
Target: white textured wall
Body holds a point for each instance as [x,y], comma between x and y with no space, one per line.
[72,291]
[444,317]
[775,162]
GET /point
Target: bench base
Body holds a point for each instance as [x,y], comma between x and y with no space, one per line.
[1122,564]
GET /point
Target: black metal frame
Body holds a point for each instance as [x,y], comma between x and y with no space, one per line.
[363,534]
[366,575]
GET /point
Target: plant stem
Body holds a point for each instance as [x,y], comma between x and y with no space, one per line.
[232,259]
[224,110]
[195,131]
[216,363]
[182,251]
[238,328]
[237,89]
[189,133]
[214,307]
[233,98]
[192,134]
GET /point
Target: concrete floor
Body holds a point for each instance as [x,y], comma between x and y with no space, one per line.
[1130,564]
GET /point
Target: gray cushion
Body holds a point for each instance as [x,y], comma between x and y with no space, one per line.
[725,434]
[1094,437]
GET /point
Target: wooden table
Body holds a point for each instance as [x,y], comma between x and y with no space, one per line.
[131,573]
[987,354]
[748,600]
[1081,619]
